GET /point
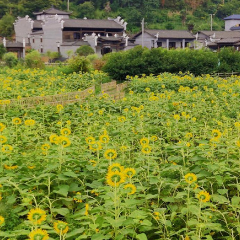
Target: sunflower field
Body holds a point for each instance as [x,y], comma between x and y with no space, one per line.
[161,163]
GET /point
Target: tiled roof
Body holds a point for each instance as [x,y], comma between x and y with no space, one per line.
[233,17]
[13,44]
[229,40]
[111,38]
[169,34]
[37,24]
[91,23]
[75,43]
[221,34]
[52,11]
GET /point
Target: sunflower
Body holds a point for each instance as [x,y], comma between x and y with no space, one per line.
[36,215]
[45,147]
[146,149]
[59,107]
[121,119]
[3,139]
[7,148]
[90,140]
[144,141]
[131,187]
[64,141]
[190,178]
[114,179]
[188,135]
[203,196]
[54,138]
[110,154]
[130,172]
[154,138]
[65,131]
[86,209]
[16,121]
[2,127]
[216,133]
[238,143]
[38,234]
[10,167]
[29,122]
[95,146]
[115,167]
[93,162]
[60,227]
[78,197]
[2,220]
[104,138]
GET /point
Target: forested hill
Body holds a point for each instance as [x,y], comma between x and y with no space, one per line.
[158,14]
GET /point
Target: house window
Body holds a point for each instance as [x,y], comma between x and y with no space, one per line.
[186,44]
[33,40]
[41,39]
[152,43]
[172,44]
[159,44]
[76,35]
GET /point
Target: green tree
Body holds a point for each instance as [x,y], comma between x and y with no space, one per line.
[84,50]
[2,50]
[10,59]
[79,64]
[6,25]
[85,10]
[33,60]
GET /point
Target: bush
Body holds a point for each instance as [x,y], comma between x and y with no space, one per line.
[33,60]
[10,59]
[2,50]
[84,51]
[79,64]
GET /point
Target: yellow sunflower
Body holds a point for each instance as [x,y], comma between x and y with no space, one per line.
[7,148]
[115,167]
[29,122]
[2,127]
[130,172]
[131,187]
[65,131]
[154,138]
[216,133]
[104,138]
[64,141]
[16,121]
[190,178]
[95,146]
[110,154]
[3,139]
[203,196]
[90,140]
[59,107]
[54,138]
[60,227]
[2,220]
[146,149]
[36,216]
[45,147]
[114,179]
[38,234]
[144,141]
[121,119]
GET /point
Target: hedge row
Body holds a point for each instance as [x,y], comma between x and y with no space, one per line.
[140,60]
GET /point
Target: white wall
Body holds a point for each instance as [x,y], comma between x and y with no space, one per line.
[23,27]
[230,23]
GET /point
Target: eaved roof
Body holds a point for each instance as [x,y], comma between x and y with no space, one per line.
[184,34]
[221,34]
[91,23]
[229,40]
[37,24]
[52,11]
[10,44]
[233,17]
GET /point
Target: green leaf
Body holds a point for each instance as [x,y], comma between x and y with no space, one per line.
[11,199]
[220,199]
[235,201]
[70,174]
[98,236]
[142,236]
[222,191]
[75,232]
[61,211]
[63,190]
[138,214]
[146,222]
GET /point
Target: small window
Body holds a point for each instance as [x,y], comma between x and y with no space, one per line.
[152,43]
[172,44]
[41,39]
[33,40]
[159,44]
[76,35]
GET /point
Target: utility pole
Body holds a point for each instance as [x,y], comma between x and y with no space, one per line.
[142,32]
[68,5]
[211,20]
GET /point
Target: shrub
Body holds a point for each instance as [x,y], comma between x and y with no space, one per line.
[2,50]
[79,64]
[10,59]
[33,60]
[84,51]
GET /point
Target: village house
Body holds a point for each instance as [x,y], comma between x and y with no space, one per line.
[169,39]
[54,31]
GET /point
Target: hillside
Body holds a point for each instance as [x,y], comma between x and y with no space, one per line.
[158,14]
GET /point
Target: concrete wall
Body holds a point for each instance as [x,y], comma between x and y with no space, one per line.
[44,17]
[52,37]
[147,40]
[23,27]
[64,49]
[230,23]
